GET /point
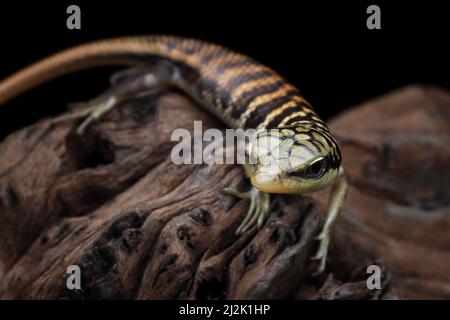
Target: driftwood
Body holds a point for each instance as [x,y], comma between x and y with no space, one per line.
[141,227]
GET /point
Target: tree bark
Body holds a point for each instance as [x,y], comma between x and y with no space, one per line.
[141,227]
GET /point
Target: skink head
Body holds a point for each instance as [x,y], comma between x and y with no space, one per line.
[294,160]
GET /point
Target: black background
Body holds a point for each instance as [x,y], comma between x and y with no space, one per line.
[324,48]
[280,309]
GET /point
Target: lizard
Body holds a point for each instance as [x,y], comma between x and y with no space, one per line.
[235,88]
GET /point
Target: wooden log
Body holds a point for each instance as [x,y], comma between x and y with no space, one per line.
[141,227]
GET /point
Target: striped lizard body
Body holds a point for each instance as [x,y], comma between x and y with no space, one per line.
[238,90]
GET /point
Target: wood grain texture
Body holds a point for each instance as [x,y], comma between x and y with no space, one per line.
[141,227]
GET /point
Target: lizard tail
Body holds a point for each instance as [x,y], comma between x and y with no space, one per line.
[102,53]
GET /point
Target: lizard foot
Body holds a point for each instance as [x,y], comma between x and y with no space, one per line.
[90,110]
[337,197]
[321,255]
[125,85]
[258,210]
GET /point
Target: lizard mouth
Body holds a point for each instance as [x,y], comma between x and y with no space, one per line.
[272,184]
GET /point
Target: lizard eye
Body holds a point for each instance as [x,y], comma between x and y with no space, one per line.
[316,169]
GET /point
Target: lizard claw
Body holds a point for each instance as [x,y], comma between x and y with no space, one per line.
[90,111]
[258,211]
[126,85]
[322,251]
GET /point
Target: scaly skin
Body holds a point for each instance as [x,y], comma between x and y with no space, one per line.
[295,151]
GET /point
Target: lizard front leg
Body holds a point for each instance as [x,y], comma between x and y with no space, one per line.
[259,207]
[337,197]
[258,210]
